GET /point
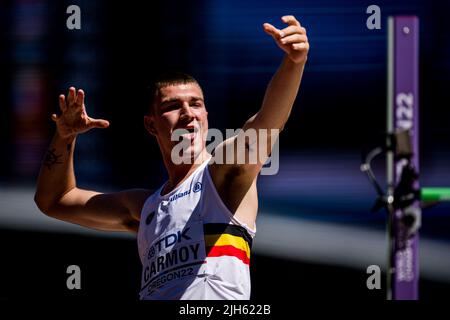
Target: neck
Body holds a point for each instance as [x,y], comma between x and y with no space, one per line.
[179,172]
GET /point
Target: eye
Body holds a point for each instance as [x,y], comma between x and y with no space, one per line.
[196,104]
[170,107]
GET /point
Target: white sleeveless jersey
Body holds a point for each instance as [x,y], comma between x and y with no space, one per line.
[191,246]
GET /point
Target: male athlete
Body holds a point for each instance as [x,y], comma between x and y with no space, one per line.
[195,232]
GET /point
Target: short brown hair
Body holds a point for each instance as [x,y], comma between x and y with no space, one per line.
[163,80]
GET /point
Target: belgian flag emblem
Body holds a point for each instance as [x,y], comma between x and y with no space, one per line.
[222,239]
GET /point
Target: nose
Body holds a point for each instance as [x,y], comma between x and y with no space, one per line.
[186,111]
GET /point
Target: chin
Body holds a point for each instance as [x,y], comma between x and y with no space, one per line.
[195,155]
[190,154]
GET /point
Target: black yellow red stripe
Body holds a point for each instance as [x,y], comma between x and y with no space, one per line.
[223,239]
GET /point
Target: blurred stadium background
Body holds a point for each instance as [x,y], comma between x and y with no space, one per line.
[316,235]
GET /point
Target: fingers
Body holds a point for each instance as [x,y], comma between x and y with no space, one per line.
[62,107]
[300,46]
[290,20]
[271,30]
[292,39]
[55,117]
[292,30]
[80,97]
[71,96]
[98,123]
[75,97]
[62,103]
[295,38]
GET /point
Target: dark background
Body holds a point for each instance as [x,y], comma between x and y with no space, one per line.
[339,112]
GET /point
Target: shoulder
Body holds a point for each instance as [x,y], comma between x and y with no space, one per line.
[231,174]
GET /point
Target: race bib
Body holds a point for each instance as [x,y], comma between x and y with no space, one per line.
[174,256]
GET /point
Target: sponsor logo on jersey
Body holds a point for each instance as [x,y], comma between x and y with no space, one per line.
[174,255]
[197,188]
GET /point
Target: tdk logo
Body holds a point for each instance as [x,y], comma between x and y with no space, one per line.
[168,241]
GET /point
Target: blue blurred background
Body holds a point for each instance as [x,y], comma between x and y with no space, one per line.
[316,235]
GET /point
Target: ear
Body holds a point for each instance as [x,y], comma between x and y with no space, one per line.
[149,124]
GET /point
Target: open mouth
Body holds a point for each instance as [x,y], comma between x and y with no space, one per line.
[191,130]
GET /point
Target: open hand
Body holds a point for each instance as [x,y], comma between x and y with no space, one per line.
[292,39]
[73,118]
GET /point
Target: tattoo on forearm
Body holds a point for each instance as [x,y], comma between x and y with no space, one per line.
[51,158]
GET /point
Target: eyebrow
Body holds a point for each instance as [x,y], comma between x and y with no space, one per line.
[176,99]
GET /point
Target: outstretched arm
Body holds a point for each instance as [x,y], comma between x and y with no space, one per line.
[283,88]
[57,194]
[236,181]
[277,104]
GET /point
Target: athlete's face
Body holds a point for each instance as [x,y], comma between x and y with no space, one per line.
[179,107]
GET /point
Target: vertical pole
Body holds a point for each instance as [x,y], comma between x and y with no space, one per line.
[403,116]
[390,160]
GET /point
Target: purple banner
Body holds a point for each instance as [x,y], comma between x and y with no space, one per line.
[405,257]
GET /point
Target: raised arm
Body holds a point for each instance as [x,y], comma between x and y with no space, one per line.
[278,99]
[57,194]
[236,180]
[283,87]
